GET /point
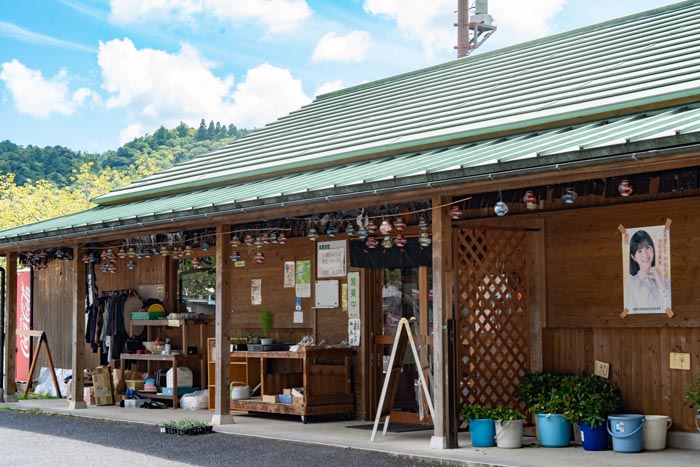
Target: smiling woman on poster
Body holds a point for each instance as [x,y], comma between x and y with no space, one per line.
[646,288]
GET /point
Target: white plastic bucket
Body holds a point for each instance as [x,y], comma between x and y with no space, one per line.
[184,377]
[510,434]
[655,430]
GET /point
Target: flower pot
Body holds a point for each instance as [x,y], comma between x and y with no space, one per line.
[483,432]
[266,341]
[554,430]
[509,434]
[594,439]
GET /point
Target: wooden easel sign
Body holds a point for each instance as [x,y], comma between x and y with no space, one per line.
[404,336]
[42,340]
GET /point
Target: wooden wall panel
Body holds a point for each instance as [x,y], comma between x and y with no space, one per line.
[584,264]
[639,364]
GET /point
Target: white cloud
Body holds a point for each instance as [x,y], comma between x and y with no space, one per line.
[349,48]
[330,86]
[131,132]
[39,97]
[266,94]
[278,16]
[133,11]
[156,88]
[426,21]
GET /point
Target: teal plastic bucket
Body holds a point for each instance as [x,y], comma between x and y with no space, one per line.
[555,430]
[626,432]
[483,432]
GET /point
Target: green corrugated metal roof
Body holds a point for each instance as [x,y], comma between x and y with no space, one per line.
[639,60]
[599,139]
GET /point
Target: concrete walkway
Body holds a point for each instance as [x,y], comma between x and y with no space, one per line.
[416,443]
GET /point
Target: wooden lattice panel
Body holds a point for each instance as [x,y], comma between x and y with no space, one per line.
[491,303]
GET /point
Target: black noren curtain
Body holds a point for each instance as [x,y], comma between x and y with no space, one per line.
[410,256]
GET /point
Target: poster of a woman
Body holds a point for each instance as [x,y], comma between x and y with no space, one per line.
[646,253]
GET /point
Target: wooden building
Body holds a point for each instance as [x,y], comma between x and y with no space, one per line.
[558,129]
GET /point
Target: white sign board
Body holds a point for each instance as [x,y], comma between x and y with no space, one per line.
[330,259]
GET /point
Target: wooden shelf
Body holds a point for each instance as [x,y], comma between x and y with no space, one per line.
[323,373]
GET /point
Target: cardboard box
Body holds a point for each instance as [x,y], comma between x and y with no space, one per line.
[287,391]
[298,400]
[285,398]
[102,382]
[270,399]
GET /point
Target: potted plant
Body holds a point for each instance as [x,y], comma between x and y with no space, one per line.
[535,387]
[509,427]
[555,411]
[692,397]
[267,320]
[596,398]
[481,425]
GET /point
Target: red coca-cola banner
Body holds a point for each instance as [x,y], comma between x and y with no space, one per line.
[24,297]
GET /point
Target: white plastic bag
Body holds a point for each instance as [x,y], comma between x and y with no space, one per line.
[195,400]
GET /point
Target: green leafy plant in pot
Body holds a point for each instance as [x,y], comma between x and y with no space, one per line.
[555,412]
[267,321]
[596,398]
[509,427]
[481,424]
[692,397]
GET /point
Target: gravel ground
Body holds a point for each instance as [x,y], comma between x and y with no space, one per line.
[32,439]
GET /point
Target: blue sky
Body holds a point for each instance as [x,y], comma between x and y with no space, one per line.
[93,74]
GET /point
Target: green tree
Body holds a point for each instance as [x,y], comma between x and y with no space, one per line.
[202,131]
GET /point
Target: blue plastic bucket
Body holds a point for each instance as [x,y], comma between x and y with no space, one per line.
[555,430]
[483,432]
[626,432]
[594,439]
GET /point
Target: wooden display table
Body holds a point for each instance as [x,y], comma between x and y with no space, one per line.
[174,360]
[325,374]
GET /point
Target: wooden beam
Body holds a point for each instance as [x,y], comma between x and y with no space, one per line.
[78,330]
[11,334]
[442,310]
[224,308]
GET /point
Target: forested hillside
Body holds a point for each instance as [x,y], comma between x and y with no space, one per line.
[57,164]
[41,183]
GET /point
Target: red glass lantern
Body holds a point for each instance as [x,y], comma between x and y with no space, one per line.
[625,188]
[530,199]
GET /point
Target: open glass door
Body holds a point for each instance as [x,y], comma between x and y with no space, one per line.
[405,293]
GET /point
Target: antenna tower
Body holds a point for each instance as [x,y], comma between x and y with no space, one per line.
[472,32]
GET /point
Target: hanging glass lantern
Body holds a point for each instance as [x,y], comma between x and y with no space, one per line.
[249,240]
[164,250]
[386,226]
[331,230]
[625,188]
[400,241]
[103,255]
[569,195]
[122,252]
[372,242]
[235,256]
[530,199]
[456,212]
[92,257]
[399,224]
[205,245]
[139,254]
[147,253]
[423,224]
[273,237]
[266,238]
[59,253]
[104,267]
[259,257]
[313,235]
[362,233]
[188,250]
[350,229]
[424,239]
[282,238]
[112,267]
[131,252]
[259,241]
[131,265]
[501,209]
[371,227]
[387,242]
[235,241]
[196,262]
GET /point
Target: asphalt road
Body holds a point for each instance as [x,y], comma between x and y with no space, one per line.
[33,439]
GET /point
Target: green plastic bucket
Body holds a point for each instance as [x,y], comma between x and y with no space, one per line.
[626,432]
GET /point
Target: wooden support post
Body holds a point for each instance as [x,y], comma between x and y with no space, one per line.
[78,330]
[222,356]
[11,336]
[442,310]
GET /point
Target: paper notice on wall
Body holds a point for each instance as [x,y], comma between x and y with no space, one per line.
[256,291]
[303,278]
[354,332]
[298,317]
[344,297]
[288,274]
[353,295]
[330,259]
